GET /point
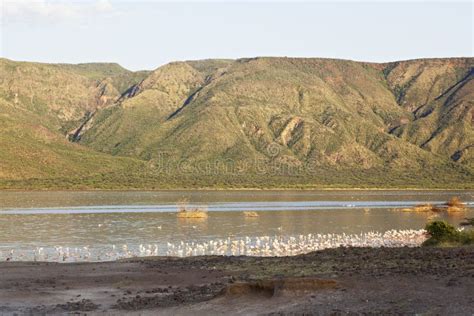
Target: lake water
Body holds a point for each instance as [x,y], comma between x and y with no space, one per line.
[99,220]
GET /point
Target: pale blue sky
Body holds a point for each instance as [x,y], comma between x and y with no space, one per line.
[147,34]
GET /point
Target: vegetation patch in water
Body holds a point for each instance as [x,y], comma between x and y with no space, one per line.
[250,214]
[452,206]
[185,212]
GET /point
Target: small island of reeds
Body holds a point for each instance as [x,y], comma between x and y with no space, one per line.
[187,212]
[453,205]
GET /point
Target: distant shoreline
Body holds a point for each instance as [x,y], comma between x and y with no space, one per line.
[232,189]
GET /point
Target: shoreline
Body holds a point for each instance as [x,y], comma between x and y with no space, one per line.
[332,281]
[235,189]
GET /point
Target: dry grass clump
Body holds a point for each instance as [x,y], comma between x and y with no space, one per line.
[454,209]
[195,213]
[185,212]
[425,208]
[453,205]
[456,201]
[251,214]
[422,208]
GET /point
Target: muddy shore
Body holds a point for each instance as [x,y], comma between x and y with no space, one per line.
[330,282]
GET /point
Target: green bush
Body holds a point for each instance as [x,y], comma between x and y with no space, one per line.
[441,233]
[441,229]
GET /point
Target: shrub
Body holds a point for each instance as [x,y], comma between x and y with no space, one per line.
[440,230]
[441,233]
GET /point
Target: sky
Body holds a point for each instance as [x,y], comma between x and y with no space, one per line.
[146,34]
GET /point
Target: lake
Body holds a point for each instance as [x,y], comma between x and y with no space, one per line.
[100,220]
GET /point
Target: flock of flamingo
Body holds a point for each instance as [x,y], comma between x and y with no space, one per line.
[231,246]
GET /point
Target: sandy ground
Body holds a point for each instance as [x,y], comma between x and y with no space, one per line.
[344,281]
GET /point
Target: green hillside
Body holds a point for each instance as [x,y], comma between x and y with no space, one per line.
[259,122]
[39,104]
[440,94]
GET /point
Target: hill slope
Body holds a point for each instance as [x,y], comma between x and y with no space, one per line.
[259,121]
[39,105]
[440,94]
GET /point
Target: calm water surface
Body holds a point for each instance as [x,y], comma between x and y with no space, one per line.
[101,219]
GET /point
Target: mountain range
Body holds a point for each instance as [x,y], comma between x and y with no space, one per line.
[253,122]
